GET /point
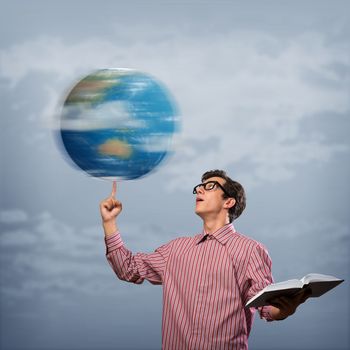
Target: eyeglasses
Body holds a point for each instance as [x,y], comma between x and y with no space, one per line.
[209,186]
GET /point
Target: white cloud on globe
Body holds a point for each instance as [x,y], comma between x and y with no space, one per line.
[114,114]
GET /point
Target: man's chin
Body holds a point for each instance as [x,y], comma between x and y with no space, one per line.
[199,213]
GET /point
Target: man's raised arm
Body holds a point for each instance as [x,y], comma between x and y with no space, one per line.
[127,266]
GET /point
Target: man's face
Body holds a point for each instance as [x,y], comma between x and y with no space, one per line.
[210,202]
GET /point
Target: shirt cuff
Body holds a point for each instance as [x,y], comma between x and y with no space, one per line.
[113,242]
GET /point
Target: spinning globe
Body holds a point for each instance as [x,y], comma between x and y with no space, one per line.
[118,124]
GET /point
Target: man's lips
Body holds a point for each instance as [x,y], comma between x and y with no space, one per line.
[198,199]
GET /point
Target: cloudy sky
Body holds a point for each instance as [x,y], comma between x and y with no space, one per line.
[264,92]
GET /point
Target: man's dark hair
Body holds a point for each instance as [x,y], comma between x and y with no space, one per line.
[233,188]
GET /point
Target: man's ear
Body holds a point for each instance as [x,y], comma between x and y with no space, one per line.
[229,203]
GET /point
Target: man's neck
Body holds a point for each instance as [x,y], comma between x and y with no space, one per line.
[210,226]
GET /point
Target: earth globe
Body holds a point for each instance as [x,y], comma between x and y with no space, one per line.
[118,124]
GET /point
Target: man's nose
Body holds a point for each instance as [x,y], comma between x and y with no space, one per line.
[200,189]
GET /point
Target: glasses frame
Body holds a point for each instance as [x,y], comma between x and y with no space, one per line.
[211,182]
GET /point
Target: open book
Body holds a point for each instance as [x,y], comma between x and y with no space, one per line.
[317,283]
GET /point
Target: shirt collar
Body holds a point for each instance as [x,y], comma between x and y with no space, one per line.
[222,235]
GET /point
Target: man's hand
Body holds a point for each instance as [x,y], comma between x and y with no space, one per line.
[283,307]
[110,208]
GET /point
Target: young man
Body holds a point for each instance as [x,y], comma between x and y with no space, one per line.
[207,279]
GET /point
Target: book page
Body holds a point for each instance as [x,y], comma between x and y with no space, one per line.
[284,285]
[317,277]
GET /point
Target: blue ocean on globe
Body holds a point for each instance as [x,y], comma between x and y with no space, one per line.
[118,124]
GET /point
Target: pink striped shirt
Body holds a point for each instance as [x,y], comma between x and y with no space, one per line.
[207,280]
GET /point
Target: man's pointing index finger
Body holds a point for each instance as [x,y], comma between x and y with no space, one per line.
[114,189]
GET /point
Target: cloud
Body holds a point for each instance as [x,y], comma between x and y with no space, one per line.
[153,235]
[47,257]
[302,247]
[44,256]
[244,95]
[13,216]
[51,56]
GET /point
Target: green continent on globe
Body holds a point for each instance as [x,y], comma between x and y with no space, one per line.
[92,88]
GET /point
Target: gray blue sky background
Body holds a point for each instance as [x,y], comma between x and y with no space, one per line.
[264,92]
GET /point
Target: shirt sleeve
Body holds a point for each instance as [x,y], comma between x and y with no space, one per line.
[136,268]
[259,276]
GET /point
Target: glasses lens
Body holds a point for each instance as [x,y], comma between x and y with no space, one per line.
[209,185]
